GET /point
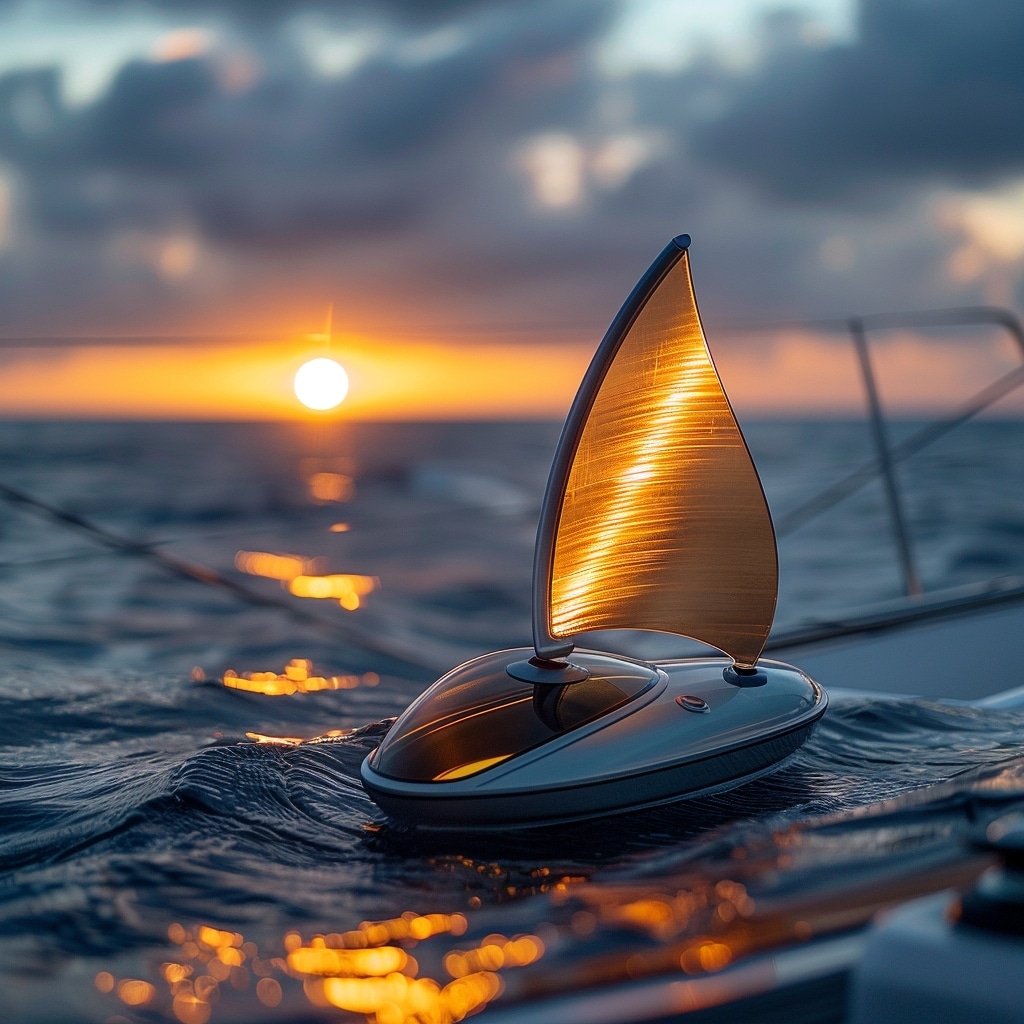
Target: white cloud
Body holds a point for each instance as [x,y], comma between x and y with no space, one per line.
[182,44]
[992,222]
[616,158]
[88,51]
[665,35]
[990,228]
[562,169]
[332,51]
[555,163]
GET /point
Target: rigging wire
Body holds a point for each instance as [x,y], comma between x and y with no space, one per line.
[864,474]
[196,572]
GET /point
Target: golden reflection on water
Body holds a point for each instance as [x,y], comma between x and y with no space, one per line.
[329,488]
[346,588]
[297,678]
[274,566]
[361,971]
[297,741]
[329,479]
[321,960]
[412,969]
[133,992]
[268,991]
[419,968]
[493,954]
[506,885]
[302,578]
[372,970]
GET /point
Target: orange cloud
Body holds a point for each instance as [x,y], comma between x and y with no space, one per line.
[803,374]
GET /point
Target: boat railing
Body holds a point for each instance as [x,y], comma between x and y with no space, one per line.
[888,454]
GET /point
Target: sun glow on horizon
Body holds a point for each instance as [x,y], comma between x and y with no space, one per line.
[321,384]
[794,374]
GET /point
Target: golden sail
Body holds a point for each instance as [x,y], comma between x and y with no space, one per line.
[655,517]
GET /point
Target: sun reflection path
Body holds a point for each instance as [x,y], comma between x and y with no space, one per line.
[329,488]
[275,566]
[297,678]
[346,589]
[301,577]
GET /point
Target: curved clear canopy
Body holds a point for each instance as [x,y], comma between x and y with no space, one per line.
[478,715]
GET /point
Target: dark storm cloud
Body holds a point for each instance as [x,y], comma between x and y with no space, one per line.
[413,173]
[294,157]
[931,89]
[402,173]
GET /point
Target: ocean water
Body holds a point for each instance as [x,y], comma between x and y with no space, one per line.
[183,836]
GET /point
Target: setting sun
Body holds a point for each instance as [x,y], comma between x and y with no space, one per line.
[321,384]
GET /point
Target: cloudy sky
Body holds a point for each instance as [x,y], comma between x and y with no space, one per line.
[462,169]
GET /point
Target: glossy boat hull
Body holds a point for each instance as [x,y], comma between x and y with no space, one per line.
[652,751]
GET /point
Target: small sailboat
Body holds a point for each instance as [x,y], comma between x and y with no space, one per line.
[654,518]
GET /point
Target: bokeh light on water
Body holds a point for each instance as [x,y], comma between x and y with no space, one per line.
[297,677]
[368,970]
